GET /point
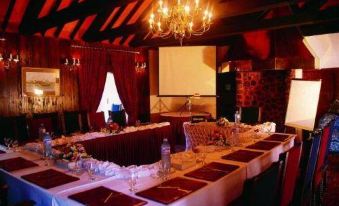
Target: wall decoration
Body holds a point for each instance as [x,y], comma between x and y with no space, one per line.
[40,81]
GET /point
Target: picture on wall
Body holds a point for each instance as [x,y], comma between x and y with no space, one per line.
[40,81]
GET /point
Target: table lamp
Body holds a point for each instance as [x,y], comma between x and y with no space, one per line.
[302,105]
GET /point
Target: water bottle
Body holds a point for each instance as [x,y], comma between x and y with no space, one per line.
[237,117]
[47,145]
[166,156]
[42,131]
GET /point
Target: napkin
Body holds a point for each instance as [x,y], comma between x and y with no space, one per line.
[3,148]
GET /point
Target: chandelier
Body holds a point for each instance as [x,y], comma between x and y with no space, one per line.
[180,20]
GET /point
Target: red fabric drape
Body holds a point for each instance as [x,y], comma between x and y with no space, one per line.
[123,68]
[92,78]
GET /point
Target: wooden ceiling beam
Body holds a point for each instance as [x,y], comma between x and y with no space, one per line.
[227,9]
[240,7]
[8,15]
[221,30]
[69,14]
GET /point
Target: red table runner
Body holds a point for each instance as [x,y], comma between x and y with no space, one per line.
[102,196]
[263,145]
[17,163]
[133,148]
[49,178]
[278,137]
[212,171]
[172,190]
[242,155]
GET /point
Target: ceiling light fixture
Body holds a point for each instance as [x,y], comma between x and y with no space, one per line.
[180,20]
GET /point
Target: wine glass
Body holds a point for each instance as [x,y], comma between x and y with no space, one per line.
[15,145]
[8,142]
[90,167]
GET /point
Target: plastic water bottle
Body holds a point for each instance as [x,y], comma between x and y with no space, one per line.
[47,144]
[166,156]
[237,117]
[42,131]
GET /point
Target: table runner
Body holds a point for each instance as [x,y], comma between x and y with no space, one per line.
[49,178]
[101,196]
[212,171]
[172,190]
[242,155]
[278,137]
[17,163]
[125,149]
[263,145]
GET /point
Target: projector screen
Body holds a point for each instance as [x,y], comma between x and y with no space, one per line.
[186,71]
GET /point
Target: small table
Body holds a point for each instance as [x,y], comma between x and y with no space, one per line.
[177,120]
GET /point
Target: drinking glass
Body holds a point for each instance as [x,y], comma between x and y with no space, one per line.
[8,143]
[15,145]
[90,167]
[132,177]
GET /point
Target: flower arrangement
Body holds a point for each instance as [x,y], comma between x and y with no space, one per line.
[73,152]
[111,128]
[222,122]
[218,139]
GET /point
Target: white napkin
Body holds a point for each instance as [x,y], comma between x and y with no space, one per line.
[3,148]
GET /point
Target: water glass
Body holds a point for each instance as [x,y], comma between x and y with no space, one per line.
[131,176]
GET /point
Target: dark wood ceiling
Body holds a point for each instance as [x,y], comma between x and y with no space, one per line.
[124,22]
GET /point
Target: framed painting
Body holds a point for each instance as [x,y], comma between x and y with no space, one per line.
[40,81]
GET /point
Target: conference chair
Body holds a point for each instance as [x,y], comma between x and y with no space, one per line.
[290,173]
[72,123]
[96,120]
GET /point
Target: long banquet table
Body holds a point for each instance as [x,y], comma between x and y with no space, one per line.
[139,147]
[127,148]
[219,192]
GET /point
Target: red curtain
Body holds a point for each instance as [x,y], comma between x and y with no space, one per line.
[92,78]
[123,68]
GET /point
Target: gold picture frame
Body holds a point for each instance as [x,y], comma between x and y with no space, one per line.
[40,81]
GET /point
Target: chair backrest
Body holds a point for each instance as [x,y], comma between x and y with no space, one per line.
[118,117]
[14,127]
[322,155]
[196,134]
[49,120]
[262,189]
[250,115]
[289,176]
[303,194]
[72,123]
[84,122]
[96,120]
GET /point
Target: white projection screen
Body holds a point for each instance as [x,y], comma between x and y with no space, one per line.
[303,104]
[186,71]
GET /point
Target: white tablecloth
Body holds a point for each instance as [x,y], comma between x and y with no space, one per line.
[220,192]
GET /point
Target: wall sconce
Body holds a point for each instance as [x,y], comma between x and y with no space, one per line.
[140,66]
[72,63]
[8,60]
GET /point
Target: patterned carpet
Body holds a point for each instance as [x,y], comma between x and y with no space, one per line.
[331,195]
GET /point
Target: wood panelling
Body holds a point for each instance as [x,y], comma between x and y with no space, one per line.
[36,52]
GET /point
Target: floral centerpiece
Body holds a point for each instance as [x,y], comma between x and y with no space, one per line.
[111,128]
[222,122]
[73,152]
[218,139]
